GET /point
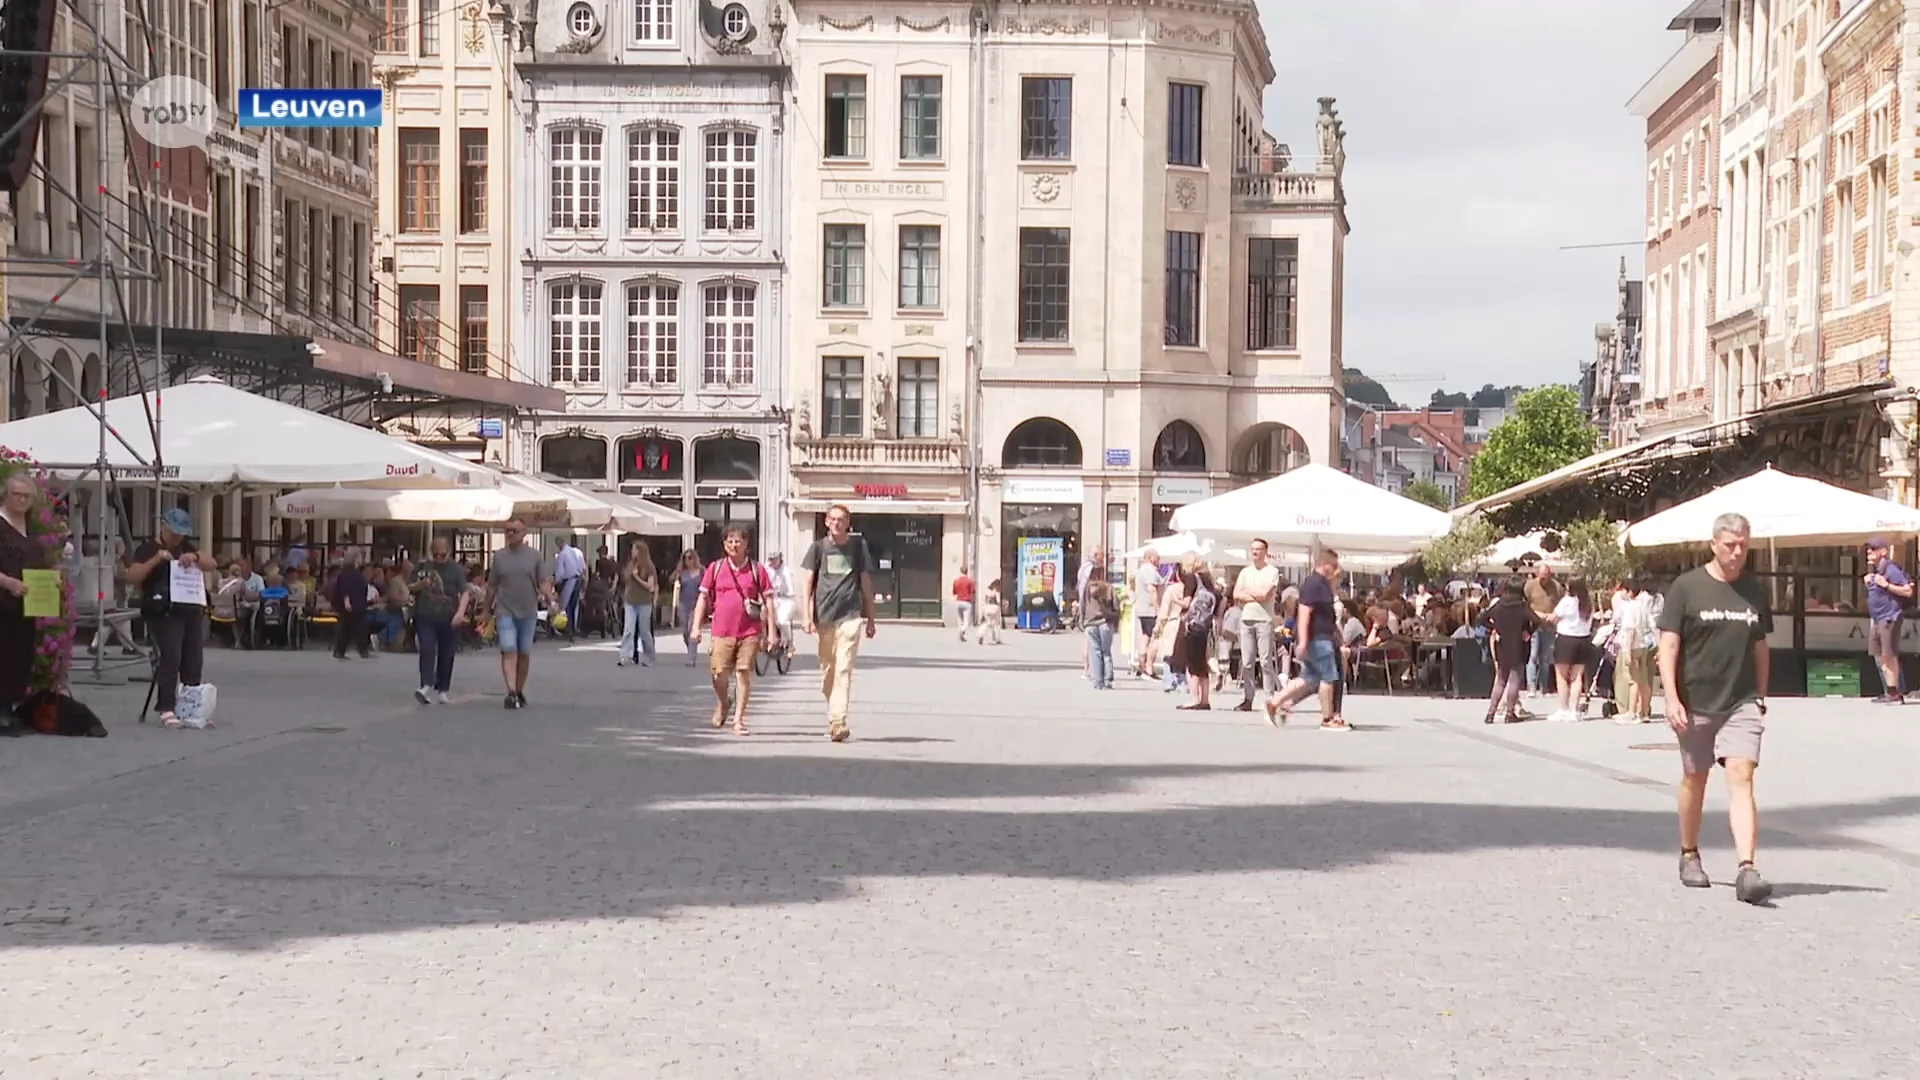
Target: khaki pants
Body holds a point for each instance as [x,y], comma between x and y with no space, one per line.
[839,645]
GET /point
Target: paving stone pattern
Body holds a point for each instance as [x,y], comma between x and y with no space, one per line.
[1005,874]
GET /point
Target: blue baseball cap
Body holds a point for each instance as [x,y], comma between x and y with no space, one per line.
[178,522]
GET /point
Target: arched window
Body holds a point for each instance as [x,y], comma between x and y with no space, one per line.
[1041,442]
[1267,450]
[726,458]
[654,458]
[1180,449]
[574,457]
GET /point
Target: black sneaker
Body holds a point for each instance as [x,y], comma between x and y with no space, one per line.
[1749,887]
[513,700]
[520,696]
[1692,874]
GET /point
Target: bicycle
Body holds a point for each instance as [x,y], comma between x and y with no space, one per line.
[780,657]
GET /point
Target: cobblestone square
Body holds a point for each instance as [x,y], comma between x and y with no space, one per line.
[1005,874]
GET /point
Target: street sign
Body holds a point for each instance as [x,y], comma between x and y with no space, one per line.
[492,429]
[1119,459]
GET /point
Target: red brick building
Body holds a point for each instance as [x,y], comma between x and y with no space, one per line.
[1672,387]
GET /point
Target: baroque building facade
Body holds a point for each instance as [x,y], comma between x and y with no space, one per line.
[1052,278]
[651,207]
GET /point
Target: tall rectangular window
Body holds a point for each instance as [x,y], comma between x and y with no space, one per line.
[338,142]
[842,386]
[845,270]
[419,179]
[473,329]
[1877,228]
[919,266]
[574,178]
[1046,276]
[314,269]
[732,194]
[653,22]
[250,240]
[653,179]
[727,335]
[223,231]
[291,221]
[573,333]
[653,334]
[342,265]
[358,139]
[361,285]
[919,398]
[250,45]
[1843,244]
[920,117]
[846,134]
[420,323]
[429,28]
[473,180]
[1185,123]
[1273,288]
[396,22]
[1046,119]
[222,49]
[1183,288]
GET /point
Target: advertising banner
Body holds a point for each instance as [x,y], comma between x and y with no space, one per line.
[1042,570]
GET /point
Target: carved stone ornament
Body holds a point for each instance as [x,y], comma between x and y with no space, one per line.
[1048,27]
[473,35]
[959,422]
[904,23]
[1192,34]
[1046,187]
[864,22]
[1185,193]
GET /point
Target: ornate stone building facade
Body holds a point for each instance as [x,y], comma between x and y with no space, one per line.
[651,206]
[1147,312]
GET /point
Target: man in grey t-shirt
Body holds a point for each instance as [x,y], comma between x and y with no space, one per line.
[515,585]
[836,604]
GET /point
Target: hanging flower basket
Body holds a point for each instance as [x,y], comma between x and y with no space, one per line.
[47,526]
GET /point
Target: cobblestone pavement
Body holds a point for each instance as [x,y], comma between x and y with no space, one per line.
[1006,874]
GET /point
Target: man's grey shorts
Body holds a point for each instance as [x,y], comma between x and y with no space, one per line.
[1883,640]
[1716,738]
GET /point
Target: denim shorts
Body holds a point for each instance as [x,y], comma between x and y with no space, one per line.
[516,635]
[1321,664]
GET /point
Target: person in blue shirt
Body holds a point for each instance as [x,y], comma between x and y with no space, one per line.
[1889,591]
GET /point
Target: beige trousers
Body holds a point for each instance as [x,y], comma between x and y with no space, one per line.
[839,645]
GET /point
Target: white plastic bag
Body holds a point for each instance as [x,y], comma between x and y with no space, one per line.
[194,705]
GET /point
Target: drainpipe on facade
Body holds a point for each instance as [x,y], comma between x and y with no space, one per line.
[977,168]
[1819,234]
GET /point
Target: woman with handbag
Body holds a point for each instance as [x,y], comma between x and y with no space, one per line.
[175,623]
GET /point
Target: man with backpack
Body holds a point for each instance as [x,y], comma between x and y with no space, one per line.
[736,591]
[1889,591]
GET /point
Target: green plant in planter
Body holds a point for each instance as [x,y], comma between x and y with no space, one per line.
[1460,550]
[1593,547]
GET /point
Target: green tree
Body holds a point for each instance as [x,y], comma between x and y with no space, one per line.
[1441,399]
[1460,550]
[1544,432]
[1593,547]
[1426,491]
[1365,391]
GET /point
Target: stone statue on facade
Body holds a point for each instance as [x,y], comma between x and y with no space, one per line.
[802,419]
[882,401]
[1327,133]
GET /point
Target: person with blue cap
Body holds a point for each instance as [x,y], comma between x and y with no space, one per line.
[175,625]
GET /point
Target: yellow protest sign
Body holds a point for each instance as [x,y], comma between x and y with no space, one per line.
[43,594]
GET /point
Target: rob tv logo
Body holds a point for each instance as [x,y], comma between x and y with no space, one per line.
[309,108]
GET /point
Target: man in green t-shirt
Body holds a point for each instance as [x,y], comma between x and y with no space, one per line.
[836,603]
[1713,663]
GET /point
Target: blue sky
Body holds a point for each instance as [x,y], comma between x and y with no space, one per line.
[1482,135]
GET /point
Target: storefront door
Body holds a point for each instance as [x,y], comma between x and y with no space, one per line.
[906,559]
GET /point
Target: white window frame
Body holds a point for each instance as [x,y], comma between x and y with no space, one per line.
[576,329]
[653,332]
[576,178]
[653,178]
[654,24]
[730,180]
[729,334]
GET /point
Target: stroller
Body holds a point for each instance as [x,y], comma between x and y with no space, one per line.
[598,612]
[1600,686]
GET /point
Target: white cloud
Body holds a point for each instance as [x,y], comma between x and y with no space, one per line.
[1483,136]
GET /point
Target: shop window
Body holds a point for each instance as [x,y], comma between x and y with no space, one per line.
[574,457]
[1041,442]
